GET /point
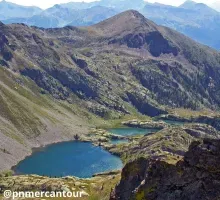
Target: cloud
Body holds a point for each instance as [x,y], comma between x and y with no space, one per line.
[216,5]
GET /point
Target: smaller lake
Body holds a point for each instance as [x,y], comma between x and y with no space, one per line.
[80,159]
[131,131]
[119,141]
[176,123]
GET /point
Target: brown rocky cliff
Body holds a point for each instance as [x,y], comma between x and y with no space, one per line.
[197,176]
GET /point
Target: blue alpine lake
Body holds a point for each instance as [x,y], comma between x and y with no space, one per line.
[131,131]
[176,123]
[119,141]
[80,159]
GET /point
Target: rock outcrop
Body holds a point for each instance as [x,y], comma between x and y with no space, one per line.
[204,119]
[170,144]
[197,176]
[145,124]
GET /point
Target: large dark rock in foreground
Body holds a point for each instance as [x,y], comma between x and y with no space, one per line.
[197,176]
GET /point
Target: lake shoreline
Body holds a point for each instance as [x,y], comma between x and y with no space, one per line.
[84,137]
[41,148]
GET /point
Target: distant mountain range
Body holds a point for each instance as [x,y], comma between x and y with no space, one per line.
[10,10]
[196,20]
[59,16]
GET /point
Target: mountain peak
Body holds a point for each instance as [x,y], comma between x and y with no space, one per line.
[188,4]
[197,6]
[131,14]
[3,2]
[125,21]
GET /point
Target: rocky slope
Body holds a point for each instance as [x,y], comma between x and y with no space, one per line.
[70,77]
[114,67]
[169,144]
[197,176]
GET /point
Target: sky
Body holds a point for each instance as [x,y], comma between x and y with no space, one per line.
[48,3]
[179,2]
